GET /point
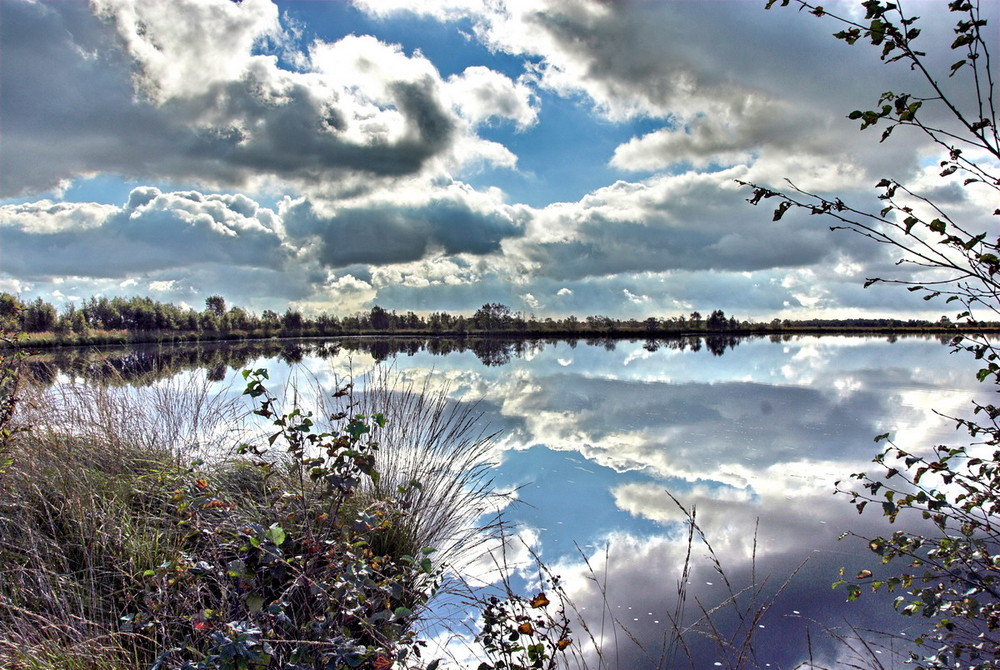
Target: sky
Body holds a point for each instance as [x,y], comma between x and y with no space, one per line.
[557,157]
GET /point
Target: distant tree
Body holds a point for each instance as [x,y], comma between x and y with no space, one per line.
[493,316]
[39,316]
[216,304]
[292,321]
[238,318]
[72,320]
[10,312]
[379,318]
[716,321]
[270,319]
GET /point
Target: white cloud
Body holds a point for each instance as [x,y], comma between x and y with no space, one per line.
[46,217]
[481,94]
[215,110]
[162,285]
[347,292]
[173,43]
[155,231]
[636,299]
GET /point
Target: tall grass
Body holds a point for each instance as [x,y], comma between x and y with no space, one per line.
[94,539]
[444,445]
[83,512]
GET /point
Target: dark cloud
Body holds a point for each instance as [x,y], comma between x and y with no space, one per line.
[69,108]
[612,248]
[389,233]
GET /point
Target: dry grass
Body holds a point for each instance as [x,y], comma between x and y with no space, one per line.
[85,508]
[442,444]
[82,513]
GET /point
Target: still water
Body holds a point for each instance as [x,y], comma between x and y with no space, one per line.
[753,434]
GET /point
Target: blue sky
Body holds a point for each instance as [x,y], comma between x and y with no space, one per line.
[557,157]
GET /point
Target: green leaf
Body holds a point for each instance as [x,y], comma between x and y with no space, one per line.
[275,534]
[910,112]
[974,241]
[877,31]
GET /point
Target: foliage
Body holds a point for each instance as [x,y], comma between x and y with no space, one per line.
[295,581]
[945,570]
[120,321]
[11,368]
[115,555]
[520,633]
[964,262]
[949,576]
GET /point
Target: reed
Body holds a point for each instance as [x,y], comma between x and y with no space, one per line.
[444,446]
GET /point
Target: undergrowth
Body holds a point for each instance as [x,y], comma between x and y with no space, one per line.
[133,534]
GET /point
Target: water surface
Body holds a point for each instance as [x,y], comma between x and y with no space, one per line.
[751,434]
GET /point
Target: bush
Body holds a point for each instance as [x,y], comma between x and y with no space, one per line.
[306,548]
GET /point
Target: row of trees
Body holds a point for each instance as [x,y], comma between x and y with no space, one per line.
[144,315]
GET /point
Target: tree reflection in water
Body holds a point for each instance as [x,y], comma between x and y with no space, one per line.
[145,363]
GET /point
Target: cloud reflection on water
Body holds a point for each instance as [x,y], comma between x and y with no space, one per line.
[753,439]
[760,445]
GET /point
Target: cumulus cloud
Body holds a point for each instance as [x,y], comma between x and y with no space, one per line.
[402,229]
[481,94]
[148,106]
[172,43]
[720,99]
[152,232]
[349,293]
[690,221]
[367,140]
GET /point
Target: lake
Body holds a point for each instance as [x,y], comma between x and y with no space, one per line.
[751,433]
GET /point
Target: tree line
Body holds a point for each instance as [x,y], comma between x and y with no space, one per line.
[139,316]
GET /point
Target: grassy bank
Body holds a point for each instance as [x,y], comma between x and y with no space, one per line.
[154,530]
